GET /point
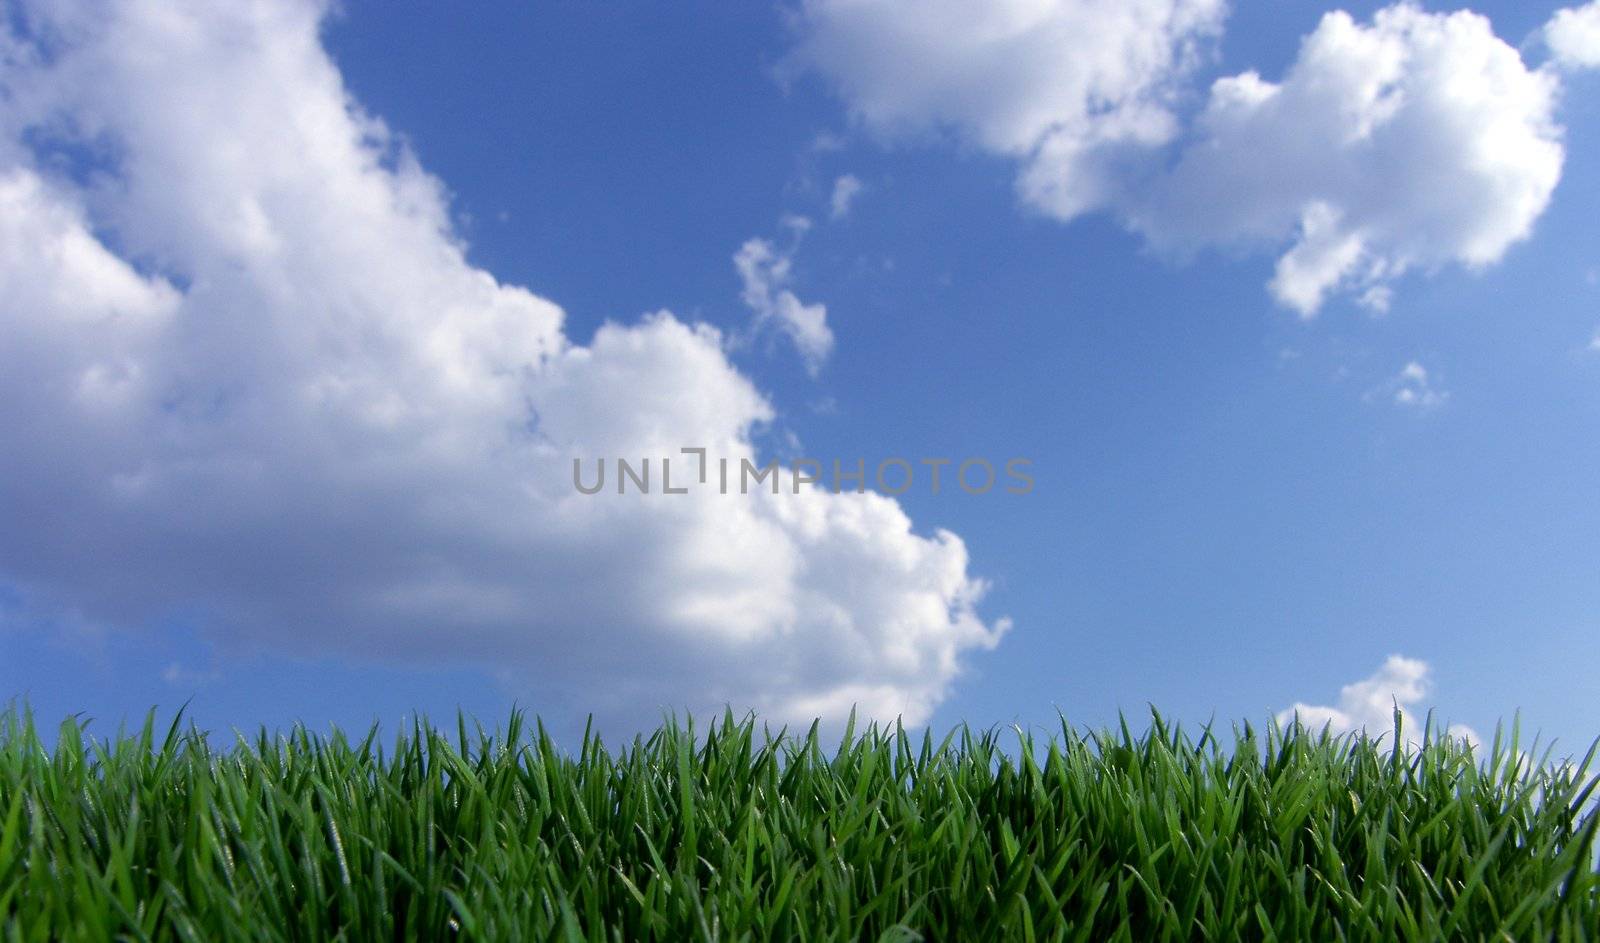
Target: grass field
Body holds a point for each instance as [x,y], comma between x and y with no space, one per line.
[728,834]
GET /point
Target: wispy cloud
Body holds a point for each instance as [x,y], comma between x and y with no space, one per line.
[845,190]
[1414,389]
[767,272]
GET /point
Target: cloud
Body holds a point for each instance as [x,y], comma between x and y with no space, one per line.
[1074,90]
[766,273]
[1407,143]
[1369,705]
[178,675]
[1414,141]
[252,381]
[1413,388]
[1573,36]
[845,191]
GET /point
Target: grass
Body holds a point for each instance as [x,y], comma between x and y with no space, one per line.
[731,834]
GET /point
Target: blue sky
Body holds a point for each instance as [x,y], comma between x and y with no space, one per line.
[1251,488]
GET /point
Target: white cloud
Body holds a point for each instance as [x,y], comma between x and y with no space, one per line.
[766,272]
[1410,142]
[1073,89]
[1369,704]
[1573,35]
[275,397]
[1413,388]
[1413,141]
[845,190]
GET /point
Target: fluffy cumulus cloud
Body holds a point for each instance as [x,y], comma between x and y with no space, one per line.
[251,379]
[1573,35]
[1076,90]
[1413,141]
[1408,142]
[1369,705]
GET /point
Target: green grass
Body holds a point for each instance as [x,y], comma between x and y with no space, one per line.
[728,834]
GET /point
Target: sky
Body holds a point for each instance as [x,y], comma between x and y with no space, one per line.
[1288,314]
